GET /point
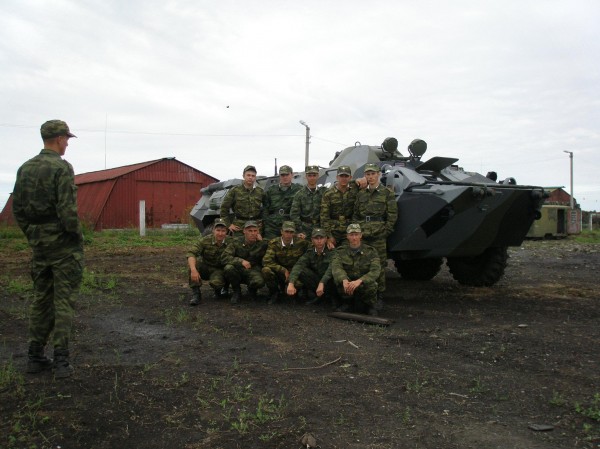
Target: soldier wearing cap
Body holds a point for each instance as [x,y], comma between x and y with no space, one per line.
[376,210]
[45,208]
[205,262]
[243,202]
[278,202]
[337,206]
[355,268]
[282,254]
[306,205]
[243,262]
[313,269]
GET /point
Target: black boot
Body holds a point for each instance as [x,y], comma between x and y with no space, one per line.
[312,298]
[379,303]
[62,367]
[273,297]
[37,361]
[253,294]
[196,296]
[237,293]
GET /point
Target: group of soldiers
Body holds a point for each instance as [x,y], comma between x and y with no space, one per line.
[308,242]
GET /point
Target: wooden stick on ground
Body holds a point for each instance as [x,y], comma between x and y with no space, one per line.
[361,318]
[315,367]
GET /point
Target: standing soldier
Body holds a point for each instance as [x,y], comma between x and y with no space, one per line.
[282,254]
[355,268]
[245,201]
[306,205]
[278,202]
[205,262]
[45,208]
[376,209]
[313,270]
[243,262]
[337,207]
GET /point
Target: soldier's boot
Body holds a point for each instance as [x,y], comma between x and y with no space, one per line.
[253,294]
[224,292]
[373,311]
[273,297]
[237,293]
[62,367]
[196,296]
[379,303]
[311,298]
[36,360]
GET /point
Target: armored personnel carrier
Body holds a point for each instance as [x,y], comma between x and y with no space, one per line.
[444,212]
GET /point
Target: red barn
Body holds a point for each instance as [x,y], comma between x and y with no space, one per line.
[109,199]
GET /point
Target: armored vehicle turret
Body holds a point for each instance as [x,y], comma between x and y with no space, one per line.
[444,212]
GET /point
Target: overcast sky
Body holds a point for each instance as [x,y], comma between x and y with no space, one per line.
[502,85]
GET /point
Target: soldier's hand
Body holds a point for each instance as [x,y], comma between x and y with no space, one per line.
[287,275]
[259,237]
[195,276]
[330,243]
[234,228]
[301,235]
[291,290]
[361,182]
[320,289]
[247,265]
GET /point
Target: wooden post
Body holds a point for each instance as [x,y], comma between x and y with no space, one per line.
[142,218]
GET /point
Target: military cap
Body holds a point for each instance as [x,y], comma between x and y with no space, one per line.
[55,128]
[312,169]
[219,222]
[285,169]
[318,232]
[249,168]
[250,224]
[288,226]
[344,170]
[354,227]
[372,167]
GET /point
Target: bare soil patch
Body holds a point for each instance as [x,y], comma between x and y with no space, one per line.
[461,367]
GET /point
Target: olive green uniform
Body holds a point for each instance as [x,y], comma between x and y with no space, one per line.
[233,256]
[337,208]
[313,268]
[209,261]
[306,209]
[376,210]
[279,258]
[276,208]
[242,204]
[45,208]
[352,264]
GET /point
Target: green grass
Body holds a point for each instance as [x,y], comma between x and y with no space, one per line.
[587,237]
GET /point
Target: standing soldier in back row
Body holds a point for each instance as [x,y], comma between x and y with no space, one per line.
[278,202]
[245,201]
[376,210]
[306,205]
[45,207]
[337,207]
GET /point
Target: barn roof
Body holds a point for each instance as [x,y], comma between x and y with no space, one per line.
[112,173]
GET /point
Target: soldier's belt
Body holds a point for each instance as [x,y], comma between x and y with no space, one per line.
[283,212]
[369,218]
[44,220]
[237,217]
[309,220]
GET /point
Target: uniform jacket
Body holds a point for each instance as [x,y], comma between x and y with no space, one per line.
[337,208]
[238,251]
[280,258]
[206,251]
[318,263]
[306,209]
[376,210]
[278,202]
[246,204]
[347,263]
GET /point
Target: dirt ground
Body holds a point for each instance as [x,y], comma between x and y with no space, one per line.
[513,366]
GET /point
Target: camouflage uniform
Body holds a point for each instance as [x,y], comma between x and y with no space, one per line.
[376,210]
[337,208]
[312,269]
[235,254]
[209,261]
[45,208]
[306,209]
[352,264]
[278,258]
[245,203]
[276,208]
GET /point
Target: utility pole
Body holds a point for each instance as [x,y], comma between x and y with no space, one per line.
[303,123]
[570,153]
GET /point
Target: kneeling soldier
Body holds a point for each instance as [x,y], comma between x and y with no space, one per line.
[281,256]
[355,268]
[313,270]
[204,261]
[243,262]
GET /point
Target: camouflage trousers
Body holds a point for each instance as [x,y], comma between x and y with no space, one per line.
[272,225]
[276,281]
[56,276]
[365,293]
[381,246]
[310,280]
[214,275]
[236,276]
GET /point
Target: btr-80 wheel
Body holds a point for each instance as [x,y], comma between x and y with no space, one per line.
[479,271]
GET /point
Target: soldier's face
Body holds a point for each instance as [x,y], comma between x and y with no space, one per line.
[220,232]
[287,236]
[285,179]
[63,143]
[343,180]
[319,243]
[372,177]
[354,239]
[311,179]
[249,178]
[251,234]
